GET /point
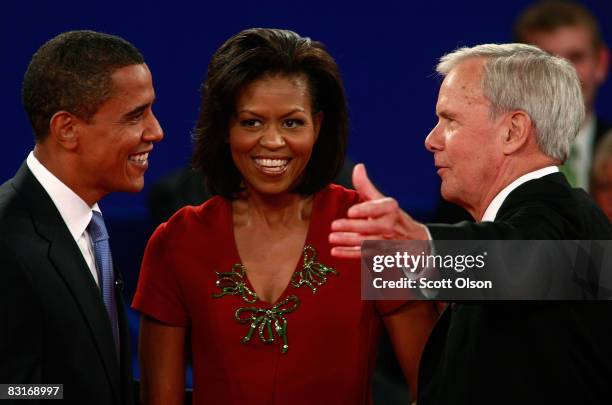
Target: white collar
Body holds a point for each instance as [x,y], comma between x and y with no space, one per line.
[586,133]
[583,147]
[495,205]
[74,211]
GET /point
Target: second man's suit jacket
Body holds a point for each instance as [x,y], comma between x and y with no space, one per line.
[524,352]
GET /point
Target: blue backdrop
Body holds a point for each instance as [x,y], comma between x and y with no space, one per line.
[386,51]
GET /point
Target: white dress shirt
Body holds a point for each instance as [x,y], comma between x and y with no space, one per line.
[74,211]
[583,153]
[496,203]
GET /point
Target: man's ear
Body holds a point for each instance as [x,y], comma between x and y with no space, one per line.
[317,121]
[63,129]
[518,131]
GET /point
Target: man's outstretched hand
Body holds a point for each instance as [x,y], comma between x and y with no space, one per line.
[376,218]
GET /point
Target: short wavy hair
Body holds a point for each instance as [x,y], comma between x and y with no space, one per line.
[524,77]
[72,72]
[246,57]
[550,15]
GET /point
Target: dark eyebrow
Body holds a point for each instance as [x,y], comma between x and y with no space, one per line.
[136,112]
[297,109]
[247,111]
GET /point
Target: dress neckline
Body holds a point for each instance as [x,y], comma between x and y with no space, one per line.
[238,260]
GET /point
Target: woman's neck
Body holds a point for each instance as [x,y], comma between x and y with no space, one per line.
[286,210]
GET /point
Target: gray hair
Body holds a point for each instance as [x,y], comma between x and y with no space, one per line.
[524,77]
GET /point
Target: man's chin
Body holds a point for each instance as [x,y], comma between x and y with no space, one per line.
[134,186]
[445,192]
[450,195]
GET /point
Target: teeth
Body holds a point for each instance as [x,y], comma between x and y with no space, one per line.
[271,162]
[140,158]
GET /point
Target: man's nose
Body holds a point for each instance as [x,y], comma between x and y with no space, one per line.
[433,141]
[154,132]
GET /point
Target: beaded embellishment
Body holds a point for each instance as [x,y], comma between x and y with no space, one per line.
[313,273]
[263,319]
[234,283]
[271,321]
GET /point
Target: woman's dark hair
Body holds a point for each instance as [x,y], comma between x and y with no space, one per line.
[245,58]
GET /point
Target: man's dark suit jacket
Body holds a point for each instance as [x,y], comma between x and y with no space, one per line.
[524,352]
[53,324]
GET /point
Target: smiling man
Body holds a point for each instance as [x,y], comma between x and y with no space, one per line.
[88,97]
[496,146]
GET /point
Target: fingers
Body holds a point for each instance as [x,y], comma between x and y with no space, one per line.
[346,252]
[367,228]
[374,209]
[363,185]
[345,238]
[351,238]
[348,244]
[373,219]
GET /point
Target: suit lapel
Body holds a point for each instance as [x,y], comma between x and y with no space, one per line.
[67,259]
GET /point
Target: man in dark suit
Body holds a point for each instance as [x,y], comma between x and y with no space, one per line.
[507,116]
[88,97]
[568,30]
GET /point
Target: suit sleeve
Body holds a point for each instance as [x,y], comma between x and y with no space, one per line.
[158,294]
[543,271]
[21,323]
[519,225]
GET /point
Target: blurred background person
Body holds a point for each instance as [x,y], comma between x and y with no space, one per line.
[601,177]
[569,30]
[273,317]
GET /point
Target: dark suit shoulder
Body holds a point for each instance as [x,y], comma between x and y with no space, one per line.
[544,208]
[8,195]
[21,247]
[548,208]
[15,220]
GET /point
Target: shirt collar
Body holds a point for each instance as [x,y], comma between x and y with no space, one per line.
[495,205]
[74,211]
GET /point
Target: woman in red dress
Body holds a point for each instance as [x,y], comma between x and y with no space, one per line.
[273,317]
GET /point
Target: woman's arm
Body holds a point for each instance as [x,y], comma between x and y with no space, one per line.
[162,362]
[408,329]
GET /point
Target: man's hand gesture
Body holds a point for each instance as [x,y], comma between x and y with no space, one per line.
[376,218]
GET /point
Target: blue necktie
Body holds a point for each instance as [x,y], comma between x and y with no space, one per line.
[104,263]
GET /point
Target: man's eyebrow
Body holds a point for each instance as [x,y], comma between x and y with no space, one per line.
[445,114]
[136,111]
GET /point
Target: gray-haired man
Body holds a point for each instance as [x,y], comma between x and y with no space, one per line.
[507,116]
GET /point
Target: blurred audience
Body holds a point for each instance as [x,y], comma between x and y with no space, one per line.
[569,30]
[601,176]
